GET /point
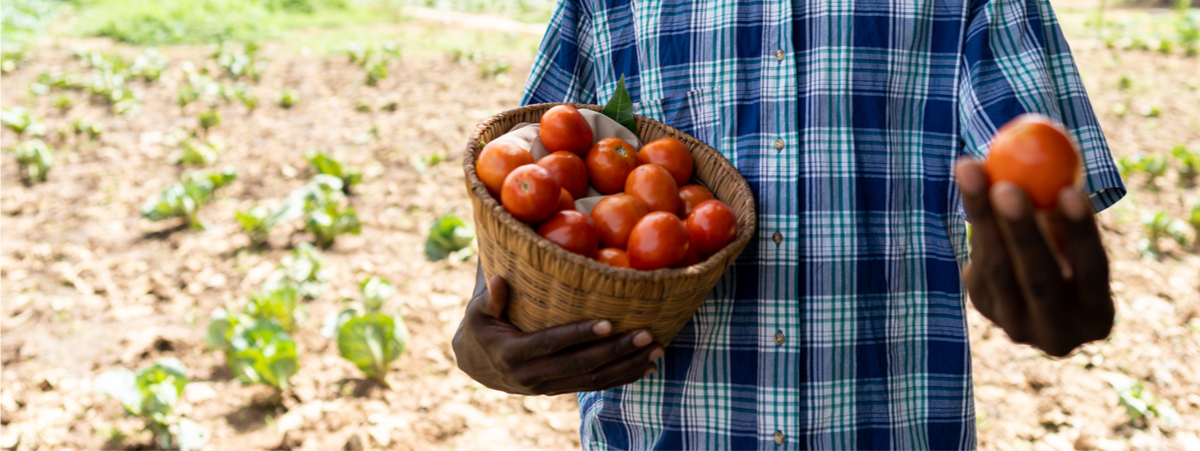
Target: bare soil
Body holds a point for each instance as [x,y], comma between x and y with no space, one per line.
[89,285]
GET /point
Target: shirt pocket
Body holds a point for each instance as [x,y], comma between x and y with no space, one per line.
[694,112]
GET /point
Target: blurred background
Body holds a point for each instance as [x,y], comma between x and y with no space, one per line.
[242,225]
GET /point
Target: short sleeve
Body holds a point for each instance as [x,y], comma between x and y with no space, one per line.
[1015,60]
[563,70]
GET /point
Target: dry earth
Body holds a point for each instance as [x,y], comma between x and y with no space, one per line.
[89,285]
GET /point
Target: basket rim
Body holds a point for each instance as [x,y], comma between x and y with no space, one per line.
[713,262]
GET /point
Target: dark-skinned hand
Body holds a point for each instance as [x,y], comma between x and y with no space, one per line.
[1052,298]
[571,358]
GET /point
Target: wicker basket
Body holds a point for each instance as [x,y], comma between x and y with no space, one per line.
[549,286]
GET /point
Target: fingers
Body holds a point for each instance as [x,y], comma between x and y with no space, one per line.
[589,358]
[990,279]
[1085,252]
[1036,267]
[614,374]
[550,341]
[497,297]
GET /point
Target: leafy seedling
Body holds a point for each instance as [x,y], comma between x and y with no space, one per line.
[1153,165]
[209,119]
[1189,169]
[375,291]
[92,129]
[376,70]
[494,68]
[322,163]
[303,269]
[423,162]
[63,102]
[620,107]
[261,352]
[372,341]
[193,152]
[151,394]
[1158,226]
[288,98]
[21,121]
[255,222]
[449,238]
[1140,404]
[243,94]
[34,160]
[279,304]
[184,199]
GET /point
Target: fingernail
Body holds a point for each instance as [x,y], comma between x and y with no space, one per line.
[642,339]
[1072,204]
[1007,201]
[602,328]
[655,354]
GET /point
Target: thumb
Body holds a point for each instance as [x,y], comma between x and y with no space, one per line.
[497,297]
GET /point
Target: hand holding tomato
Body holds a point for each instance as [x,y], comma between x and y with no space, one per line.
[1013,276]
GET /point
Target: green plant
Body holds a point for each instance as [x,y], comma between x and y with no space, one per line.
[620,108]
[258,351]
[151,394]
[255,222]
[1151,111]
[1189,169]
[194,152]
[423,162]
[1159,225]
[93,129]
[303,269]
[495,68]
[1140,404]
[246,96]
[1194,220]
[1124,83]
[208,119]
[376,70]
[239,64]
[184,199]
[372,341]
[327,220]
[149,66]
[21,120]
[279,304]
[322,163]
[375,291]
[23,21]
[1153,165]
[449,237]
[288,98]
[63,102]
[34,159]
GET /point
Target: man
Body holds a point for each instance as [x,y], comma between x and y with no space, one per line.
[843,325]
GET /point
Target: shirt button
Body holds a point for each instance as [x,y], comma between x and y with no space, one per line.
[777,237]
[780,338]
[780,55]
[779,438]
[779,144]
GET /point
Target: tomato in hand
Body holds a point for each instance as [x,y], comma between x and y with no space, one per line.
[1034,153]
[711,227]
[690,196]
[614,257]
[672,155]
[572,230]
[609,163]
[615,217]
[563,128]
[530,194]
[569,170]
[497,160]
[653,185]
[659,240]
[565,201]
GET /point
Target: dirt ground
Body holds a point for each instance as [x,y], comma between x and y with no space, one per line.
[89,285]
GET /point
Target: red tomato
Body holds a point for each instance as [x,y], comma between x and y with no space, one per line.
[1034,153]
[563,128]
[653,185]
[690,196]
[692,257]
[530,193]
[711,227]
[659,240]
[614,257]
[672,155]
[497,160]
[569,170]
[609,163]
[565,201]
[573,231]
[615,217]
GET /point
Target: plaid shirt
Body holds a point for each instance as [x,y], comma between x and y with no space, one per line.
[843,325]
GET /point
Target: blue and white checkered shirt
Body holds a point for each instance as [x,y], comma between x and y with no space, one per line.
[843,326]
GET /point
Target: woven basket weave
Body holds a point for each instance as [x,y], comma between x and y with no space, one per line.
[549,286]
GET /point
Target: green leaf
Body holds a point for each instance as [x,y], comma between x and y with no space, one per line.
[161,385]
[376,290]
[254,222]
[189,436]
[121,384]
[372,342]
[620,107]
[447,235]
[263,352]
[278,305]
[220,327]
[333,323]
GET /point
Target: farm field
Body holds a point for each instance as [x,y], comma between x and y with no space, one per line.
[89,284]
